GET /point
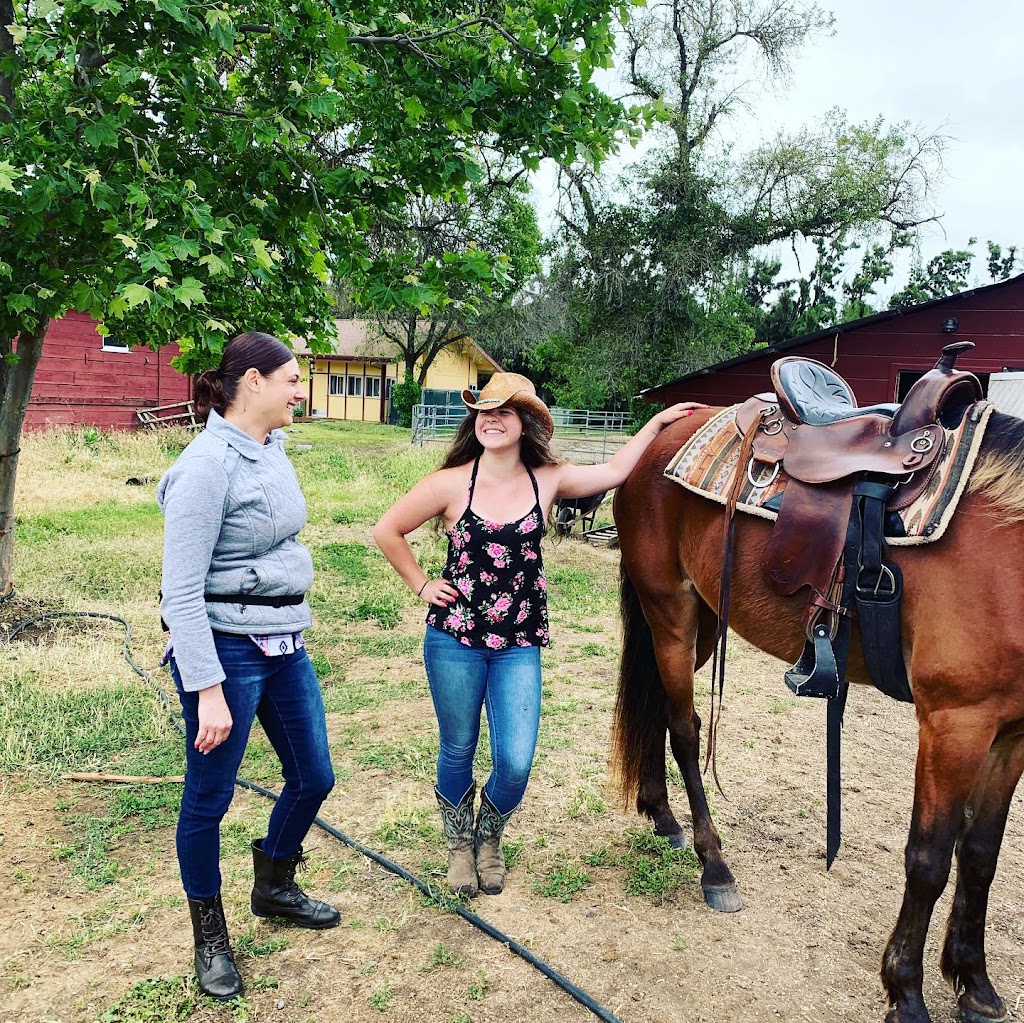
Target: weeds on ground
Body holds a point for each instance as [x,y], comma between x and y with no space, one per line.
[563,880]
[163,998]
[441,957]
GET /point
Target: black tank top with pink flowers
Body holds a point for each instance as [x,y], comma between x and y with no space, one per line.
[499,572]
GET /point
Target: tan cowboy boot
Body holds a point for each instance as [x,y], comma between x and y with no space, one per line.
[458,832]
[490,861]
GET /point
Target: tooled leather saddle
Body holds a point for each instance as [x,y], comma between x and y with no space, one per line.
[848,466]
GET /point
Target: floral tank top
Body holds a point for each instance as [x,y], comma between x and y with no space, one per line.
[499,573]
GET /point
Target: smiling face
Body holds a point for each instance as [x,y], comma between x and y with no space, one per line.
[279,393]
[499,428]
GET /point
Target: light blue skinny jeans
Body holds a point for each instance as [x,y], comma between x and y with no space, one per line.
[465,679]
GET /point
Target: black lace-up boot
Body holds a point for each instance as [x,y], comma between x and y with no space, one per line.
[215,965]
[275,893]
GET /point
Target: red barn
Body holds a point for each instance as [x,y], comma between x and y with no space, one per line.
[879,356]
[84,378]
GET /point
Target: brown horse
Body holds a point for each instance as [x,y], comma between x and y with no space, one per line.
[963,638]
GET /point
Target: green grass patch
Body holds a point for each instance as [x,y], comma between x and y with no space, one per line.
[441,957]
[414,756]
[159,1000]
[586,805]
[654,868]
[579,592]
[349,560]
[78,730]
[408,828]
[388,646]
[563,880]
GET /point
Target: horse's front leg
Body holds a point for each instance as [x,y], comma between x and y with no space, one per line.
[683,639]
[951,749]
[981,834]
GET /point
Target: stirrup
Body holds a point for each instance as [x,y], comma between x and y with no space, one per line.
[816,673]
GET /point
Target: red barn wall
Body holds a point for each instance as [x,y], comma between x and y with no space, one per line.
[870,357]
[78,382]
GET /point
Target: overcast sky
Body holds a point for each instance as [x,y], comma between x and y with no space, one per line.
[943,65]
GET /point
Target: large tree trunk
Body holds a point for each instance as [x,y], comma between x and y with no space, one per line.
[15,388]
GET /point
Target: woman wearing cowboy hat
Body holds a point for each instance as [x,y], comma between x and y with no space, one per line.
[488,611]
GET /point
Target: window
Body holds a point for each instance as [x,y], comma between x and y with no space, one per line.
[906,378]
[336,384]
[113,344]
[388,386]
[373,387]
[355,387]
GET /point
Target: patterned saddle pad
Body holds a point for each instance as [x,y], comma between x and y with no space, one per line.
[706,464]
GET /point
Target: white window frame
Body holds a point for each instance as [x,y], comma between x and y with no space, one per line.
[335,385]
[355,387]
[111,344]
[372,387]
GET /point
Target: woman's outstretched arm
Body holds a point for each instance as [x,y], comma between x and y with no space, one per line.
[584,480]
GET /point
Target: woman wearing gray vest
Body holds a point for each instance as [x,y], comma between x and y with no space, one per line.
[233,598]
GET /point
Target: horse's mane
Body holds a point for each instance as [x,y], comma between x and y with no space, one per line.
[999,471]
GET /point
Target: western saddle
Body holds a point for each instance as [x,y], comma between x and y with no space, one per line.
[847,467]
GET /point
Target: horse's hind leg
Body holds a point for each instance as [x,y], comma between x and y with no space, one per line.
[952,748]
[652,796]
[682,627]
[981,834]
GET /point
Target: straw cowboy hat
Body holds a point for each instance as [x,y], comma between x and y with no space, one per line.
[513,390]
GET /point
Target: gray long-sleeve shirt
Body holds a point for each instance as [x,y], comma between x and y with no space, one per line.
[232,508]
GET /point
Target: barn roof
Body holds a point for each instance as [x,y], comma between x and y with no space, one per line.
[651,393]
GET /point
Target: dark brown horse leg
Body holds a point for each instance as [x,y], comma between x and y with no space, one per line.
[679,644]
[981,834]
[951,749]
[652,797]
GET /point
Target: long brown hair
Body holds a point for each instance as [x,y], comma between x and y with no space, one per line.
[216,388]
[534,447]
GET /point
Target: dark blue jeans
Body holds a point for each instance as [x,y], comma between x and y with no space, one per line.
[463,680]
[284,694]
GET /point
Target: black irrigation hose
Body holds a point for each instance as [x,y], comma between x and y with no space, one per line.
[438,898]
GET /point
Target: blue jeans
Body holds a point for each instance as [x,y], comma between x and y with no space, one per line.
[463,680]
[284,693]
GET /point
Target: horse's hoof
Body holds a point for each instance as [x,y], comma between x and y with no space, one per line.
[677,842]
[972,1012]
[723,898]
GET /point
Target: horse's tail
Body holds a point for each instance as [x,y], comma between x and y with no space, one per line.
[641,708]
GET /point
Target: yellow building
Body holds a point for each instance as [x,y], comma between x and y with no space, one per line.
[355,380]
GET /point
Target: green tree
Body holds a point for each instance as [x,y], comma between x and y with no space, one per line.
[667,270]
[493,232]
[181,170]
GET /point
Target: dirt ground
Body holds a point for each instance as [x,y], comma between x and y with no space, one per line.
[806,946]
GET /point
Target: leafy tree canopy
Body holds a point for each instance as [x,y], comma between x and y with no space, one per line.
[182,169]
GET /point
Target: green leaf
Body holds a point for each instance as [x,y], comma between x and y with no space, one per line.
[100,133]
[135,295]
[214,265]
[259,246]
[190,292]
[8,175]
